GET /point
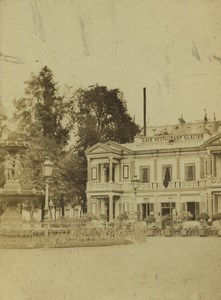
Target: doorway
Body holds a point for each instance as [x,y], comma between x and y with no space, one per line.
[146,209]
[193,208]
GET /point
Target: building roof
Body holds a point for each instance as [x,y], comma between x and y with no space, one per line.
[210,127]
[183,136]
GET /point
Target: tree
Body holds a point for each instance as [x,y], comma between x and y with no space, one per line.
[42,112]
[41,118]
[99,115]
[2,152]
[2,118]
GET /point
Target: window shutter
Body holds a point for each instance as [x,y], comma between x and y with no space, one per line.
[202,206]
[120,208]
[197,207]
[138,207]
[183,205]
[202,169]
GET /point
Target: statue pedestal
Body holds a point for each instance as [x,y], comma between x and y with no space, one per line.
[11,218]
[12,186]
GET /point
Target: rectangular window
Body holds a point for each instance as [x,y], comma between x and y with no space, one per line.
[167,173]
[145,174]
[190,172]
[94,173]
[168,208]
[125,172]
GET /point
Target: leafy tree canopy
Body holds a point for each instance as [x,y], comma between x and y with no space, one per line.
[101,115]
[2,118]
[42,121]
[42,111]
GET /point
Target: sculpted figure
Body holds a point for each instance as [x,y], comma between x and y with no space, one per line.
[8,165]
[17,167]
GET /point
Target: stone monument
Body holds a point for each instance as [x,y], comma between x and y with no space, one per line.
[11,194]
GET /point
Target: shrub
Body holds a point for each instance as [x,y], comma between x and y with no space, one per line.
[186,216]
[216,217]
[167,220]
[88,218]
[203,216]
[123,216]
[150,219]
[103,217]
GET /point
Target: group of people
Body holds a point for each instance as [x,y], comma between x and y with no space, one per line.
[12,167]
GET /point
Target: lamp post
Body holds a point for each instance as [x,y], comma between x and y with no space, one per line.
[135,184]
[47,172]
[51,205]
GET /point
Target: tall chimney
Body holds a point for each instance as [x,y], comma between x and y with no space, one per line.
[144,112]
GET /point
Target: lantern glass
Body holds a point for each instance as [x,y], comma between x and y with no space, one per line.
[135,183]
[47,167]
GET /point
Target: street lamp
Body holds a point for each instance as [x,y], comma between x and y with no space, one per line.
[47,168]
[135,184]
[51,205]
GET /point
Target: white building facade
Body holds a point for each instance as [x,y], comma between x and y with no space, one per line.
[171,169]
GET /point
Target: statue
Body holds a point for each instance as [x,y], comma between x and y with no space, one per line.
[17,167]
[8,165]
[12,167]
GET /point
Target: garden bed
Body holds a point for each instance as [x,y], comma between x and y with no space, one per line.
[42,242]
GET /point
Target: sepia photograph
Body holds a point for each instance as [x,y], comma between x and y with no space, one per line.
[110,149]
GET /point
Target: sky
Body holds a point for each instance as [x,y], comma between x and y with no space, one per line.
[171,47]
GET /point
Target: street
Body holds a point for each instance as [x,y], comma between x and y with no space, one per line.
[161,268]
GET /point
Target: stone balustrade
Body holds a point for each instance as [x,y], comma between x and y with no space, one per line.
[104,186]
[120,187]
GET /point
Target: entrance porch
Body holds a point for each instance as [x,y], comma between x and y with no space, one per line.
[104,205]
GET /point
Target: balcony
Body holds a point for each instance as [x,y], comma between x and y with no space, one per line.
[214,182]
[175,185]
[104,187]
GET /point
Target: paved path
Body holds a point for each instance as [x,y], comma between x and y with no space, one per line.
[163,268]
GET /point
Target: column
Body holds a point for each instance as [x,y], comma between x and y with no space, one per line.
[202,169]
[209,165]
[110,169]
[155,167]
[214,165]
[98,207]
[210,204]
[219,203]
[110,207]
[88,169]
[178,167]
[178,203]
[120,172]
[213,206]
[156,205]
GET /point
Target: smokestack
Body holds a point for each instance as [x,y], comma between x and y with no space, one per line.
[144,112]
